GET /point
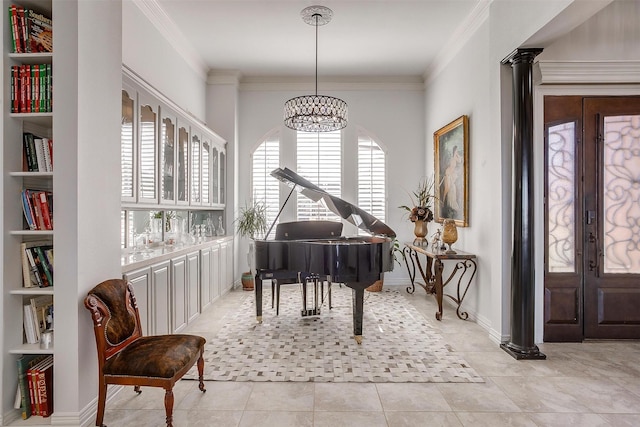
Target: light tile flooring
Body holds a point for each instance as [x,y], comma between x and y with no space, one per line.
[588,384]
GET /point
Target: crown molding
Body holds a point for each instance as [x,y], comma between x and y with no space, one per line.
[170,31]
[224,77]
[337,83]
[456,42]
[590,72]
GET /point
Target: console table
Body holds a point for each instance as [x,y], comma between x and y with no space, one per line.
[463,271]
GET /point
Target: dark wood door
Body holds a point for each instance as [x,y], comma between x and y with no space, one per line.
[592,218]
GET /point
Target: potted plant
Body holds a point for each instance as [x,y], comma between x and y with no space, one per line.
[420,212]
[251,222]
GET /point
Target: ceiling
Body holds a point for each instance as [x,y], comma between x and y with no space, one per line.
[365,38]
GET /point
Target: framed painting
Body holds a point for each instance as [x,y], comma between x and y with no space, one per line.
[451,180]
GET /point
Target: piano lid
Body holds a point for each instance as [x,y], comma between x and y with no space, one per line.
[356,216]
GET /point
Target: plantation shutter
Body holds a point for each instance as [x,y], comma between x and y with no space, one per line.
[319,161]
[266,188]
[371,177]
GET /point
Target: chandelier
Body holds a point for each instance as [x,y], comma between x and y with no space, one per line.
[315,113]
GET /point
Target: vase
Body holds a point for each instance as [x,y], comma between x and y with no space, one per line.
[420,230]
[449,233]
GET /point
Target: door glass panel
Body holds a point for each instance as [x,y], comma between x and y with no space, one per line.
[147,152]
[621,193]
[126,145]
[167,155]
[214,166]
[195,169]
[206,172]
[183,149]
[222,177]
[561,197]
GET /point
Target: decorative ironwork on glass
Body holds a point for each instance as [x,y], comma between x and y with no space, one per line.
[561,203]
[621,194]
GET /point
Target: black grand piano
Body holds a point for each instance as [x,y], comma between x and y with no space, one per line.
[355,261]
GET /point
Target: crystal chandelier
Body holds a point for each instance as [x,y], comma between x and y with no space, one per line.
[315,113]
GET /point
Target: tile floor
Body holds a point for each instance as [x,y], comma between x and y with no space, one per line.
[587,384]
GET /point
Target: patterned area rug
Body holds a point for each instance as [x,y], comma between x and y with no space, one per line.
[399,344]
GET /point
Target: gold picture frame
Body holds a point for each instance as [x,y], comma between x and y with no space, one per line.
[451,179]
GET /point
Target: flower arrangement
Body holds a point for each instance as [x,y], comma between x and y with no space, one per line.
[421,202]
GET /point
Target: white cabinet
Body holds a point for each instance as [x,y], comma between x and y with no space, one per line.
[193,285]
[168,155]
[161,297]
[141,281]
[178,293]
[226,265]
[128,151]
[216,280]
[206,277]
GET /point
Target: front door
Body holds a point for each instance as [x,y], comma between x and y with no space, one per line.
[592,218]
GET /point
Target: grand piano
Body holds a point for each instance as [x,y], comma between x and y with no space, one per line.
[355,261]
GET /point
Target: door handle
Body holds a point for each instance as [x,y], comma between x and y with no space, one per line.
[591,217]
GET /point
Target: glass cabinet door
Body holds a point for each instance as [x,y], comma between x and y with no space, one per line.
[215,175]
[127,147]
[206,171]
[167,158]
[222,177]
[148,184]
[183,170]
[195,169]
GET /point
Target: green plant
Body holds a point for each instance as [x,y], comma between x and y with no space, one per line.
[252,220]
[396,251]
[421,201]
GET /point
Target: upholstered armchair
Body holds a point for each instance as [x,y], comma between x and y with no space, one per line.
[126,357]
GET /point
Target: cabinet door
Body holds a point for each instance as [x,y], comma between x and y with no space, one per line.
[205,278]
[182,163]
[148,149]
[216,289]
[141,281]
[223,167]
[195,177]
[168,155]
[179,291]
[127,144]
[215,175]
[206,170]
[161,297]
[193,285]
[225,271]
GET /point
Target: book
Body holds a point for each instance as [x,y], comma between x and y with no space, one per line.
[38,383]
[48,163]
[44,264]
[43,204]
[36,209]
[40,32]
[13,24]
[41,268]
[29,325]
[24,363]
[39,144]
[44,383]
[30,271]
[29,152]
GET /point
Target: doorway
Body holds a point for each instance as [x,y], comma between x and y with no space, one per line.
[592,218]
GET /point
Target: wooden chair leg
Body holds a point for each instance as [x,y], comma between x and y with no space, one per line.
[102,398]
[201,373]
[168,406]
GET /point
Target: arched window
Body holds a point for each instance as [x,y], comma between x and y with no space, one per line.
[265,188]
[319,160]
[372,195]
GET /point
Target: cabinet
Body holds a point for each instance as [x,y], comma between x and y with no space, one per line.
[141,281]
[178,293]
[206,275]
[160,316]
[193,285]
[128,153]
[147,148]
[168,154]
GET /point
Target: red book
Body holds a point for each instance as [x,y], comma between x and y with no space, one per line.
[22,27]
[45,392]
[15,38]
[37,211]
[32,393]
[15,89]
[47,220]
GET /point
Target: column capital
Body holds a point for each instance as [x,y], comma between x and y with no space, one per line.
[521,55]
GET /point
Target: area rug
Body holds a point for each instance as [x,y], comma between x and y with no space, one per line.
[399,344]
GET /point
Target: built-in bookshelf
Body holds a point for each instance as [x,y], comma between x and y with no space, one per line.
[27,211]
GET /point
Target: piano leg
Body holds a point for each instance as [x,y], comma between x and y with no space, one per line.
[258,289]
[358,302]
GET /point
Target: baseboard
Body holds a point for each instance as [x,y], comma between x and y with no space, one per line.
[87,416]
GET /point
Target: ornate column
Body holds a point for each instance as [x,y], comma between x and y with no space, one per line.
[522,344]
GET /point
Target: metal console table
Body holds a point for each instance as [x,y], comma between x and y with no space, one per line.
[463,272]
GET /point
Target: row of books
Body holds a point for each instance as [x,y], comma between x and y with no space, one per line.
[37,264]
[31,88]
[38,317]
[30,31]
[34,395]
[37,206]
[38,153]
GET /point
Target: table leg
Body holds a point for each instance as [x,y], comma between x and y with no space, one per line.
[438,286]
[466,265]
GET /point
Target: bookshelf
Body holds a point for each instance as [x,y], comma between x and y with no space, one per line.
[15,227]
